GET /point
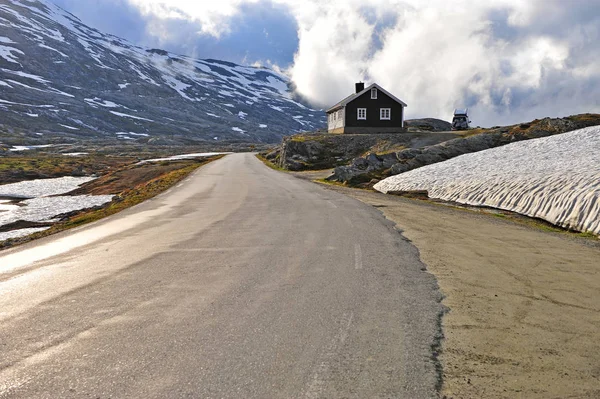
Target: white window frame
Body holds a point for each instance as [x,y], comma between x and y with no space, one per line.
[374,93]
[361,114]
[383,112]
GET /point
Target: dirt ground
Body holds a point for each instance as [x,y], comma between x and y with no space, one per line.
[524,303]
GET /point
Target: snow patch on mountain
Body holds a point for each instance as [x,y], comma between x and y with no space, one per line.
[178,86]
[36,37]
[102,103]
[6,52]
[130,116]
[69,127]
[238,130]
[53,49]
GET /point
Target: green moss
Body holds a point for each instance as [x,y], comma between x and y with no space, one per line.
[588,234]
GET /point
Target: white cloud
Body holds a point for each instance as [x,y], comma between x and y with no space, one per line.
[213,16]
[507,60]
[498,57]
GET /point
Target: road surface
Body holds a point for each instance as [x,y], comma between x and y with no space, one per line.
[241,282]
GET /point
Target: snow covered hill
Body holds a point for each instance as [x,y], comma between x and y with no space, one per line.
[60,77]
[554,178]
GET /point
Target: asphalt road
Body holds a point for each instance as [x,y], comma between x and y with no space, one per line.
[241,282]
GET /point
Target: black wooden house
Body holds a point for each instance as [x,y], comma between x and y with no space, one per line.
[368,110]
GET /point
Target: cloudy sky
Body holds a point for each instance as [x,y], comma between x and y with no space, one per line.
[507,60]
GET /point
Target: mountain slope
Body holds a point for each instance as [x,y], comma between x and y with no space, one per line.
[60,77]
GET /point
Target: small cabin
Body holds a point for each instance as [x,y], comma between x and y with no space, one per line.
[369,110]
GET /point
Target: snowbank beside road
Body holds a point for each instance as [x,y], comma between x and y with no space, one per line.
[554,178]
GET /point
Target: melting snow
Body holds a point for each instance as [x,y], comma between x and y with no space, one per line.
[52,90]
[248,85]
[554,178]
[131,133]
[69,127]
[279,85]
[242,115]
[102,103]
[142,75]
[130,116]
[178,86]
[20,233]
[42,187]
[43,204]
[37,78]
[53,49]
[44,209]
[240,131]
[18,148]
[27,105]
[7,205]
[7,53]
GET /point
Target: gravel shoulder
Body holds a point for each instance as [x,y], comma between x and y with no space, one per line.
[523,316]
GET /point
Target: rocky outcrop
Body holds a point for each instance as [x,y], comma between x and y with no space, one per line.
[374,166]
[427,125]
[324,151]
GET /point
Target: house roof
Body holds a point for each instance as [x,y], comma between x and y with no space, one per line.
[354,96]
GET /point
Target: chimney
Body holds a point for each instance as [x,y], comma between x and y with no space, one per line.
[360,87]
